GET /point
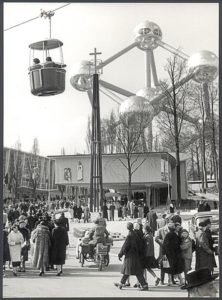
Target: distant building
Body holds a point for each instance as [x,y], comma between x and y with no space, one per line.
[155,176]
[21,170]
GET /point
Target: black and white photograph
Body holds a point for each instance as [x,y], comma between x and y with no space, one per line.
[110,150]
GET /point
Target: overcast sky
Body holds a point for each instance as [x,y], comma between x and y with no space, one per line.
[60,121]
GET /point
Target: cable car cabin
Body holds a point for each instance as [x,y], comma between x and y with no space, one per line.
[46,76]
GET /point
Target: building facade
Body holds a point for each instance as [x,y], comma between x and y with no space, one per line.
[153,175]
[27,174]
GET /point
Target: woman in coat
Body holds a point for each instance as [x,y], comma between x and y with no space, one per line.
[150,261]
[204,255]
[41,240]
[26,246]
[6,253]
[172,250]
[132,262]
[15,241]
[59,242]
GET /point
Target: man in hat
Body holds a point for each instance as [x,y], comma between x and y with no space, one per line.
[204,255]
[201,283]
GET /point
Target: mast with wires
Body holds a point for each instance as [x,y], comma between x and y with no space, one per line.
[96,182]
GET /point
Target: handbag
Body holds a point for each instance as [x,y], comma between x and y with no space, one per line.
[165,262]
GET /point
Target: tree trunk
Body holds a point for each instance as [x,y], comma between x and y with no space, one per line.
[204,167]
[178,173]
[129,180]
[192,164]
[198,163]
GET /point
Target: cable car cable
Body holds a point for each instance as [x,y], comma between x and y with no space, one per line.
[41,14]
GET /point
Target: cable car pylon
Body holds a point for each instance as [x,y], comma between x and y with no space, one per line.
[96,182]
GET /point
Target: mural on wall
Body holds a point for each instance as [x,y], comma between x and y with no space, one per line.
[79,171]
[67,174]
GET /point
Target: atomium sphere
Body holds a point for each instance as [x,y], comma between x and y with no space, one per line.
[81,76]
[204,66]
[136,105]
[147,34]
[149,93]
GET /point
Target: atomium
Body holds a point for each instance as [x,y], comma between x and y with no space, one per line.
[81,76]
[149,93]
[204,66]
[147,34]
[136,105]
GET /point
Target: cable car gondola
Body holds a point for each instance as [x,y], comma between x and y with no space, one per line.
[47,77]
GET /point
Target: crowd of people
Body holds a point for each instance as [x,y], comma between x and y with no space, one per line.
[27,224]
[176,249]
[31,228]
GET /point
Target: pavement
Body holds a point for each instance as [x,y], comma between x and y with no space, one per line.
[86,281]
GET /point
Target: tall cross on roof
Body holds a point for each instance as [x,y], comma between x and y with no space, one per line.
[95,58]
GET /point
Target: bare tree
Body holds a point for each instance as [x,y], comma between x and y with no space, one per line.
[175,108]
[128,134]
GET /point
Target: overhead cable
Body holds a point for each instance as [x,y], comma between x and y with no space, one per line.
[40,15]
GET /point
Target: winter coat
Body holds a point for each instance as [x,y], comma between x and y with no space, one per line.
[152,217]
[112,210]
[149,244]
[132,262]
[171,247]
[99,234]
[64,222]
[15,241]
[204,255]
[26,246]
[160,236]
[141,211]
[59,242]
[79,212]
[104,211]
[6,253]
[186,248]
[41,239]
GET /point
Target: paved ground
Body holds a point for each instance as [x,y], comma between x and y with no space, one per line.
[84,281]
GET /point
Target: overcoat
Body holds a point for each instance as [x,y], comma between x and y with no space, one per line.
[204,255]
[171,247]
[105,211]
[59,242]
[6,253]
[25,248]
[15,241]
[41,240]
[132,262]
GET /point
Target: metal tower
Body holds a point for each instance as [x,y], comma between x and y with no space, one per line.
[96,182]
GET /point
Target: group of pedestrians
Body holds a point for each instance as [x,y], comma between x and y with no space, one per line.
[38,232]
[176,249]
[132,209]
